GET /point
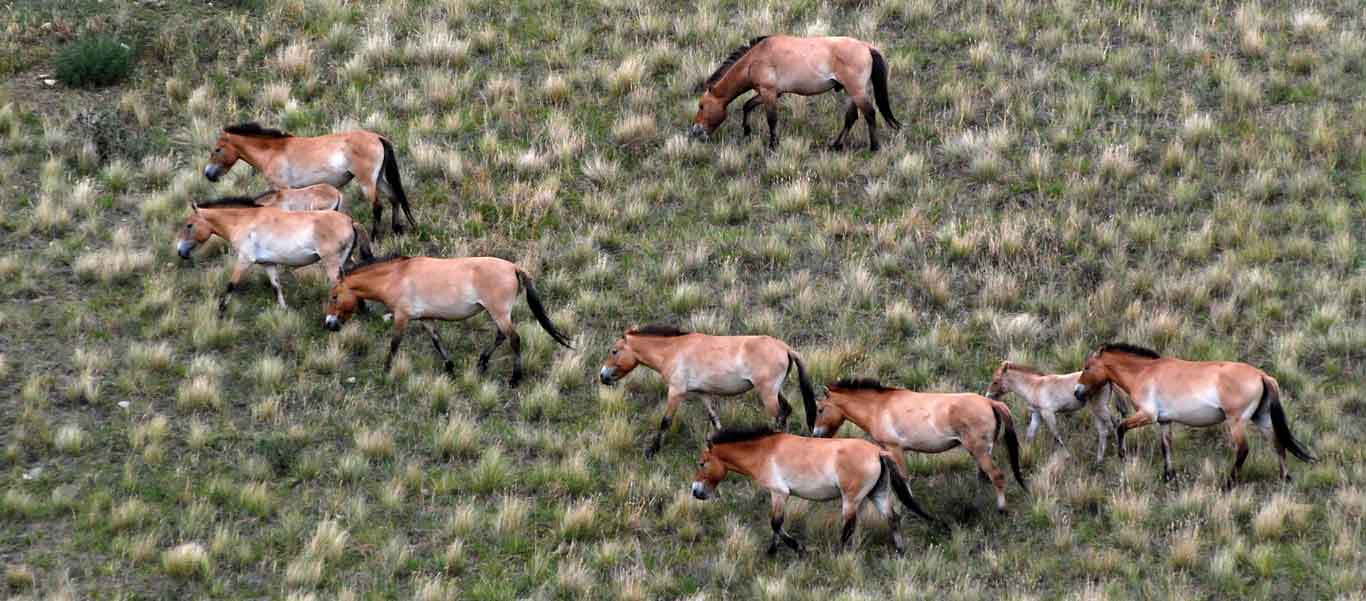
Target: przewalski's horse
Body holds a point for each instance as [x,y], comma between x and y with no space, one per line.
[272,237]
[428,288]
[1194,393]
[903,420]
[318,197]
[815,469]
[294,162]
[777,65]
[1051,394]
[710,365]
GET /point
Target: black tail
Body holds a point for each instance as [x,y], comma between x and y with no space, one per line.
[1271,399]
[395,183]
[884,106]
[808,391]
[537,309]
[1004,422]
[902,491]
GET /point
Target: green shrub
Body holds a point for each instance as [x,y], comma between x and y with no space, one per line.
[94,62]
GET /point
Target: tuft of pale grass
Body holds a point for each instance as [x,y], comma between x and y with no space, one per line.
[635,129]
[1184,548]
[375,444]
[186,561]
[199,392]
[577,520]
[70,439]
[296,60]
[1280,516]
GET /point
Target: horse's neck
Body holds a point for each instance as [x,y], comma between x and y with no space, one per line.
[744,463]
[736,81]
[375,283]
[254,151]
[654,352]
[1125,374]
[226,223]
[860,408]
[1024,384]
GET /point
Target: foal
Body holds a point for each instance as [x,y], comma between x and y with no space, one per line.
[1194,393]
[815,469]
[272,237]
[777,65]
[1051,394]
[710,365]
[427,288]
[293,162]
[903,420]
[318,197]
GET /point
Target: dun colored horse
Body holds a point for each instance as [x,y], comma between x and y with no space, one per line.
[272,237]
[1051,394]
[428,288]
[777,65]
[1195,393]
[815,469]
[318,197]
[903,420]
[294,162]
[710,365]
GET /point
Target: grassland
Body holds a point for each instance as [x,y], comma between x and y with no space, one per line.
[1181,174]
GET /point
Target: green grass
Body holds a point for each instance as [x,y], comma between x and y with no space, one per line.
[1175,174]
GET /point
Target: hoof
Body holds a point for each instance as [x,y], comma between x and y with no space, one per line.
[772,550]
[836,147]
[450,367]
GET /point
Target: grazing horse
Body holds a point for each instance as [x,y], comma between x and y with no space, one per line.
[294,162]
[710,365]
[777,65]
[318,197]
[272,237]
[427,288]
[1051,394]
[815,469]
[1194,393]
[903,420]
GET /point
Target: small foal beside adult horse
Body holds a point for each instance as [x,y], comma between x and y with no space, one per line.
[722,365]
[272,237]
[1194,393]
[289,161]
[903,420]
[1051,394]
[426,288]
[815,469]
[777,65]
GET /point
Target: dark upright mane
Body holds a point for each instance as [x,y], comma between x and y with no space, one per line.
[254,130]
[659,330]
[1020,367]
[228,202]
[859,384]
[735,55]
[1120,347]
[371,263]
[741,434]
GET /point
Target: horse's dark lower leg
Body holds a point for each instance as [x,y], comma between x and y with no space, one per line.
[850,117]
[1167,472]
[744,113]
[378,209]
[436,342]
[484,356]
[1240,449]
[664,424]
[847,532]
[223,299]
[393,219]
[393,350]
[784,410]
[771,112]
[870,116]
[516,342]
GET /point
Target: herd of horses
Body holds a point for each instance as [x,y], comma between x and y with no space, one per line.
[301,221]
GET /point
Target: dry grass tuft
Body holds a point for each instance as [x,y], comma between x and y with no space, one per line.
[186,561]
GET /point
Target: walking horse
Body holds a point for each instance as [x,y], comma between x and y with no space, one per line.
[693,363]
[903,420]
[1050,394]
[1167,390]
[271,237]
[289,161]
[816,469]
[777,65]
[428,288]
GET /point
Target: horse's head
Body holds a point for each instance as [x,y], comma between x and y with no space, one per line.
[194,232]
[710,472]
[997,389]
[711,113]
[620,361]
[1095,374]
[829,418]
[341,303]
[221,159]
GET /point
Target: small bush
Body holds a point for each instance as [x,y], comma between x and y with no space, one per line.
[94,62]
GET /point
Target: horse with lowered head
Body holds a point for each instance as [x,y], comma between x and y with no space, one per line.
[777,65]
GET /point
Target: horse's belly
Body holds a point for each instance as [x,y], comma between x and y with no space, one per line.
[1189,413]
[283,254]
[452,311]
[814,491]
[930,444]
[727,384]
